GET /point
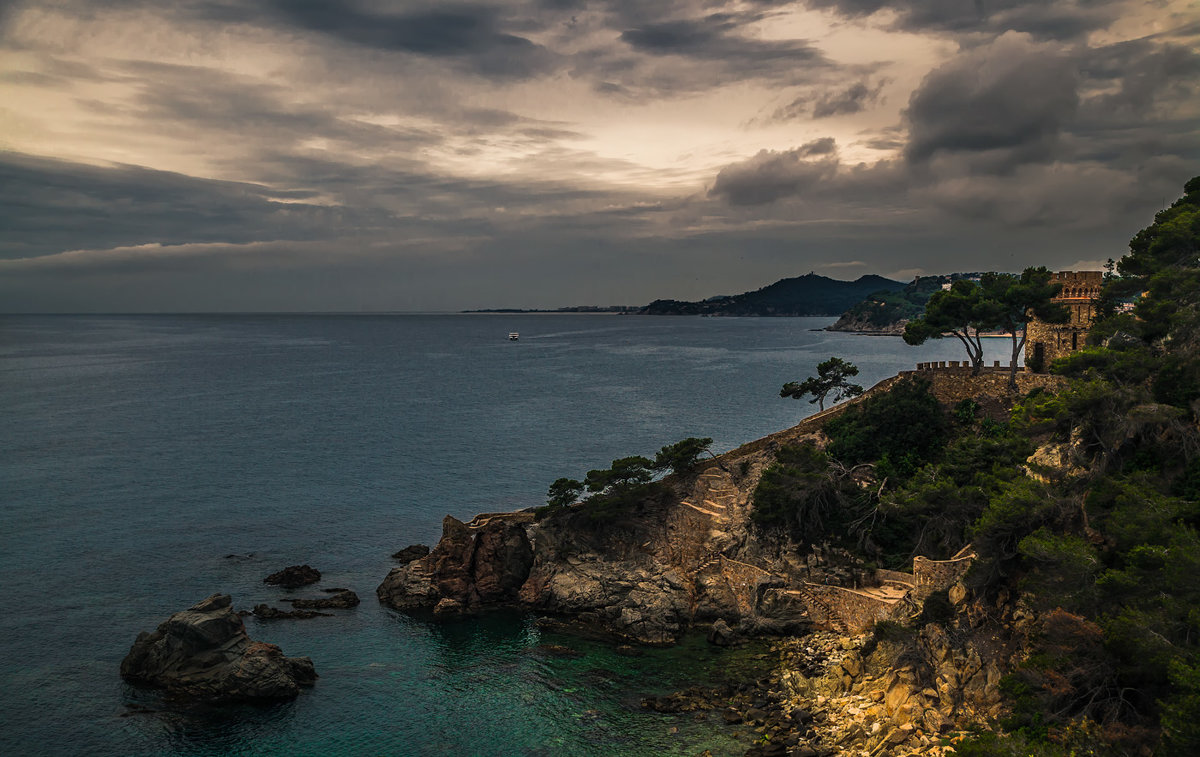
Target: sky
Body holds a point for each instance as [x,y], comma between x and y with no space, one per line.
[387,155]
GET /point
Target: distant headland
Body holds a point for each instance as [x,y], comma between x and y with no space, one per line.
[807,295]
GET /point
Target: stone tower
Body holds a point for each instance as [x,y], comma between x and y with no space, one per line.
[1047,341]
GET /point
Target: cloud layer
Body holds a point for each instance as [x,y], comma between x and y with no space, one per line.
[212,155]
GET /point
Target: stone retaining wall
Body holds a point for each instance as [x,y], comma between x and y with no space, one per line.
[743,581]
[852,611]
[935,575]
[883,575]
[954,383]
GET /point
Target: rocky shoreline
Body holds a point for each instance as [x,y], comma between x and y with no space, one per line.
[896,691]
[688,558]
[870,662]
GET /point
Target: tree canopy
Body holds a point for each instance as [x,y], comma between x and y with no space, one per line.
[626,483]
[682,456]
[832,378]
[998,301]
[1015,301]
[960,311]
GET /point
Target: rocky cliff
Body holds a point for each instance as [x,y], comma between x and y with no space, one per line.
[646,577]
[691,556]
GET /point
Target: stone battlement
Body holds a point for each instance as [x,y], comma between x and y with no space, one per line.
[962,365]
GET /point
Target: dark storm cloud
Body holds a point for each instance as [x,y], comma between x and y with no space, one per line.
[185,97]
[716,37]
[1007,101]
[1147,75]
[675,49]
[1065,19]
[838,101]
[771,175]
[474,37]
[49,205]
[471,34]
[1013,133]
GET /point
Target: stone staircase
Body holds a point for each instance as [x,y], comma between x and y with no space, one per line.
[819,612]
[715,496]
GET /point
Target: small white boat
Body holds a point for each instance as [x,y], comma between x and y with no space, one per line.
[513,336]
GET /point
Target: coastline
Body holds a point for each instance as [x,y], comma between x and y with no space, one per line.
[695,562]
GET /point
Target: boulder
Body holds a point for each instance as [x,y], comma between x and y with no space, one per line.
[203,652]
[294,576]
[410,553]
[721,634]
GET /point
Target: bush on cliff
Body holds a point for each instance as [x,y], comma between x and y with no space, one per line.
[627,483]
[683,456]
[898,430]
[804,494]
[1115,544]
[931,513]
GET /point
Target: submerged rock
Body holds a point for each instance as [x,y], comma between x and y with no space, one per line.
[341,600]
[266,612]
[204,652]
[294,576]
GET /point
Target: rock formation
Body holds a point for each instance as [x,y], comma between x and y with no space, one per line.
[644,578]
[690,556]
[410,553]
[266,612]
[897,692]
[340,599]
[294,576]
[203,652]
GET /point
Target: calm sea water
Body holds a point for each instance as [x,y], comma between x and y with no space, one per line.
[137,454]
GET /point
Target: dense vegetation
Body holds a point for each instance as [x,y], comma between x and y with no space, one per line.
[883,310]
[1099,538]
[626,484]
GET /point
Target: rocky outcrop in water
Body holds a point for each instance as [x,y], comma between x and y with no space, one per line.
[341,599]
[645,577]
[204,652]
[470,569]
[266,612]
[294,576]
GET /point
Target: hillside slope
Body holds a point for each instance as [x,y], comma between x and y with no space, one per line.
[808,295]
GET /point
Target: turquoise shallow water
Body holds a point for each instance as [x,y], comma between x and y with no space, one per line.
[137,454]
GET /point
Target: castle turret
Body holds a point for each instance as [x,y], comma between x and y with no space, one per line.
[1046,342]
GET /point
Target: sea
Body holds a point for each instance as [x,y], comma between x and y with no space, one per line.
[149,461]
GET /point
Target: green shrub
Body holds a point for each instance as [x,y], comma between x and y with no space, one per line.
[903,427]
[801,493]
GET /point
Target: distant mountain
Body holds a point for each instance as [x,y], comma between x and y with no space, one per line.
[800,296]
[887,312]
